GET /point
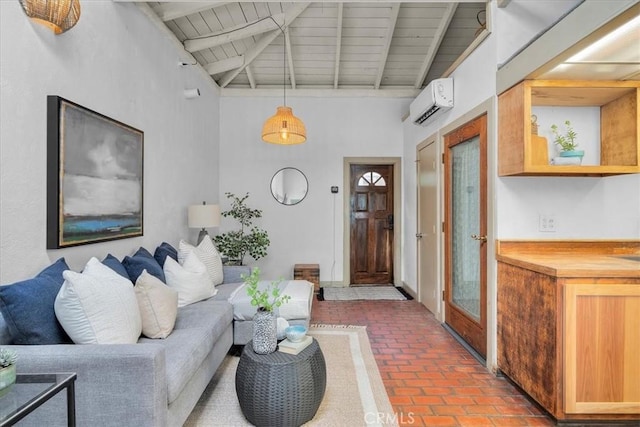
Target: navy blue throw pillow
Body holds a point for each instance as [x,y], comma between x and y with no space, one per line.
[142,260]
[27,308]
[163,251]
[113,263]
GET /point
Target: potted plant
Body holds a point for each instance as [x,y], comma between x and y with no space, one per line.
[8,360]
[266,299]
[567,141]
[249,240]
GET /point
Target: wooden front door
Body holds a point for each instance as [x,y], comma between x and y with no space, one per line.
[466,232]
[371,224]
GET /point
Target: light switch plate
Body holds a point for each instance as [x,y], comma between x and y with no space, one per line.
[547,223]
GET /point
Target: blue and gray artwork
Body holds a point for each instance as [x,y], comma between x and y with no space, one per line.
[101,179]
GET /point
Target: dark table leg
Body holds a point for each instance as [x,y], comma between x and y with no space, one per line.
[71,404]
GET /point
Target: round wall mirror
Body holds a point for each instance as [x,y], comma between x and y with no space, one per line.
[289,186]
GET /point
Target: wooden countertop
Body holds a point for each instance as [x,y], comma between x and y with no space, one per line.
[573,258]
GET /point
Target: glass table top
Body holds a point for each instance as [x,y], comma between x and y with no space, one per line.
[29,391]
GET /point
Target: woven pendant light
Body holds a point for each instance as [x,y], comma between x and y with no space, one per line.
[284,128]
[58,15]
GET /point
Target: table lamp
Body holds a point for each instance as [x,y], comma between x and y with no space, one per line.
[203,216]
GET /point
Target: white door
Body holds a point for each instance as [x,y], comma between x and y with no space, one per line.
[427,235]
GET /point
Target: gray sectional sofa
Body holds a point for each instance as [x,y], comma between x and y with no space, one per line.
[152,383]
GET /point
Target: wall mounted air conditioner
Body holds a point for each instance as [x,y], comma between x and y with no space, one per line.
[432,101]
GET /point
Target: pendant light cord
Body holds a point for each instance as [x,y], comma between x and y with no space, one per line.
[284,60]
[284,66]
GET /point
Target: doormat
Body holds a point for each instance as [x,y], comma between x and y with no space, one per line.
[356,293]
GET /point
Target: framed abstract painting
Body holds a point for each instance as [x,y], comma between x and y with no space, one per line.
[94,176]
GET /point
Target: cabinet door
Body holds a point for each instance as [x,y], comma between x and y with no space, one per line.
[602,349]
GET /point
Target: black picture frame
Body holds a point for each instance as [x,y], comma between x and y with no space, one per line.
[95,176]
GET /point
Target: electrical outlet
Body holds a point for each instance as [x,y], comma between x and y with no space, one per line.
[547,223]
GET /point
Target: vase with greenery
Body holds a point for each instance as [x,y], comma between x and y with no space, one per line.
[248,240]
[8,360]
[566,141]
[266,299]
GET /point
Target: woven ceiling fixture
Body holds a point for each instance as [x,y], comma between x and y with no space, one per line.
[284,128]
[58,15]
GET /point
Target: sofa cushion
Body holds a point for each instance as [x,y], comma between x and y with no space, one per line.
[198,327]
[298,307]
[226,291]
[235,273]
[208,254]
[27,307]
[142,260]
[98,306]
[114,264]
[191,280]
[163,251]
[158,306]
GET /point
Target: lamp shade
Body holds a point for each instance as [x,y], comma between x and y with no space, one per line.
[284,128]
[203,216]
[58,15]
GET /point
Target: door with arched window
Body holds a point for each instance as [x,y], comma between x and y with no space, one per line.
[371,224]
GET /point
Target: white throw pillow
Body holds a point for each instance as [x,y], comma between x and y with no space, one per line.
[190,279]
[98,306]
[208,254]
[158,305]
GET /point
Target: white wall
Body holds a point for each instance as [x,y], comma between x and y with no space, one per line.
[583,207]
[311,231]
[116,62]
[473,83]
[523,20]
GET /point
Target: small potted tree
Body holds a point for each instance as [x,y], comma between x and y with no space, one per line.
[566,141]
[248,240]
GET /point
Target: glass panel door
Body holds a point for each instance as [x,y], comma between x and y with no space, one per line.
[465,290]
[465,262]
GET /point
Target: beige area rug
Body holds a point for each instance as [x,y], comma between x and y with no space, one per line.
[355,394]
[362,293]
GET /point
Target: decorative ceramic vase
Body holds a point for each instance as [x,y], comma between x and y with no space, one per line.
[7,378]
[265,338]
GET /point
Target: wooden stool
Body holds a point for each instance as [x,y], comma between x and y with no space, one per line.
[309,272]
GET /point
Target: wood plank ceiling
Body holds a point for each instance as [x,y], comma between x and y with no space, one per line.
[393,46]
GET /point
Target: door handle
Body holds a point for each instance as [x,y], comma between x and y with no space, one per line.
[419,235]
[389,222]
[481,238]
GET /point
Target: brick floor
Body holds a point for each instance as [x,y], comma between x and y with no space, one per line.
[430,378]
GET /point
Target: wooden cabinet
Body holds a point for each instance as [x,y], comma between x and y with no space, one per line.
[601,348]
[569,330]
[619,126]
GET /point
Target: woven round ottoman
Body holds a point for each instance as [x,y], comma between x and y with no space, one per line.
[281,389]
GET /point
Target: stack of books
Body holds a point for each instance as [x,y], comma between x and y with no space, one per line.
[291,347]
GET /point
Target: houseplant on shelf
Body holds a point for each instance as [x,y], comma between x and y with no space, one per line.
[248,240]
[567,142]
[264,322]
[8,360]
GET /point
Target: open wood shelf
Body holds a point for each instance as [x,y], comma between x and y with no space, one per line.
[618,102]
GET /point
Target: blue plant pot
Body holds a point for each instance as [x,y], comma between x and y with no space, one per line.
[574,153]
